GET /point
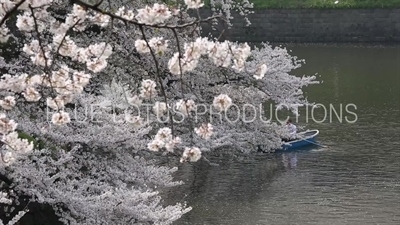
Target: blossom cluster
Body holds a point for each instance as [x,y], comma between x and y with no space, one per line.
[149,15]
[35,4]
[223,54]
[157,44]
[164,139]
[68,82]
[205,131]
[17,217]
[157,14]
[191,154]
[60,81]
[8,103]
[34,11]
[64,53]
[148,89]
[39,55]
[94,56]
[15,146]
[261,71]
[5,6]
[194,4]
[185,107]
[222,102]
[182,106]
[65,81]
[160,108]
[125,13]
[4,198]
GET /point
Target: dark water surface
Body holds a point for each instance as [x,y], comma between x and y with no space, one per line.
[354,181]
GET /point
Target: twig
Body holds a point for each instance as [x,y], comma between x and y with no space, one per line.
[181,79]
[9,13]
[158,76]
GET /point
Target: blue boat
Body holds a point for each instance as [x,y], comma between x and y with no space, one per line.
[305,138]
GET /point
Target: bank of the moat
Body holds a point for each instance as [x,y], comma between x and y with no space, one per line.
[315,25]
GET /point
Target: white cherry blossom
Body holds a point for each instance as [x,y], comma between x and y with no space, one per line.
[261,70]
[155,145]
[8,103]
[100,19]
[173,64]
[136,121]
[16,144]
[134,100]
[204,131]
[56,103]
[6,125]
[8,158]
[141,46]
[171,144]
[35,80]
[157,14]
[99,51]
[222,102]
[160,108]
[25,22]
[73,61]
[158,44]
[148,89]
[124,13]
[76,18]
[31,94]
[42,59]
[194,4]
[32,48]
[68,46]
[97,65]
[81,78]
[60,118]
[164,135]
[185,107]
[191,154]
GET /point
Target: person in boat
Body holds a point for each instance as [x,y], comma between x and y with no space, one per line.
[292,129]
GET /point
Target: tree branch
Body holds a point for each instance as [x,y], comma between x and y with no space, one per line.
[9,13]
[95,8]
[158,76]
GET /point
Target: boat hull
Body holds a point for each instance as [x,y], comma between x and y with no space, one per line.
[309,138]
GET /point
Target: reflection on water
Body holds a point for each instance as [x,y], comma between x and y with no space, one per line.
[354,181]
[289,160]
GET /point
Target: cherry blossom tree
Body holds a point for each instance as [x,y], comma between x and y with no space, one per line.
[100,90]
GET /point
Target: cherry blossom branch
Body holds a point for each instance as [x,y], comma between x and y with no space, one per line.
[99,3]
[39,39]
[158,75]
[93,7]
[181,79]
[9,13]
[47,68]
[63,39]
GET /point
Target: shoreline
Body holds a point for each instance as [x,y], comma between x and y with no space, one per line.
[321,4]
[313,26]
